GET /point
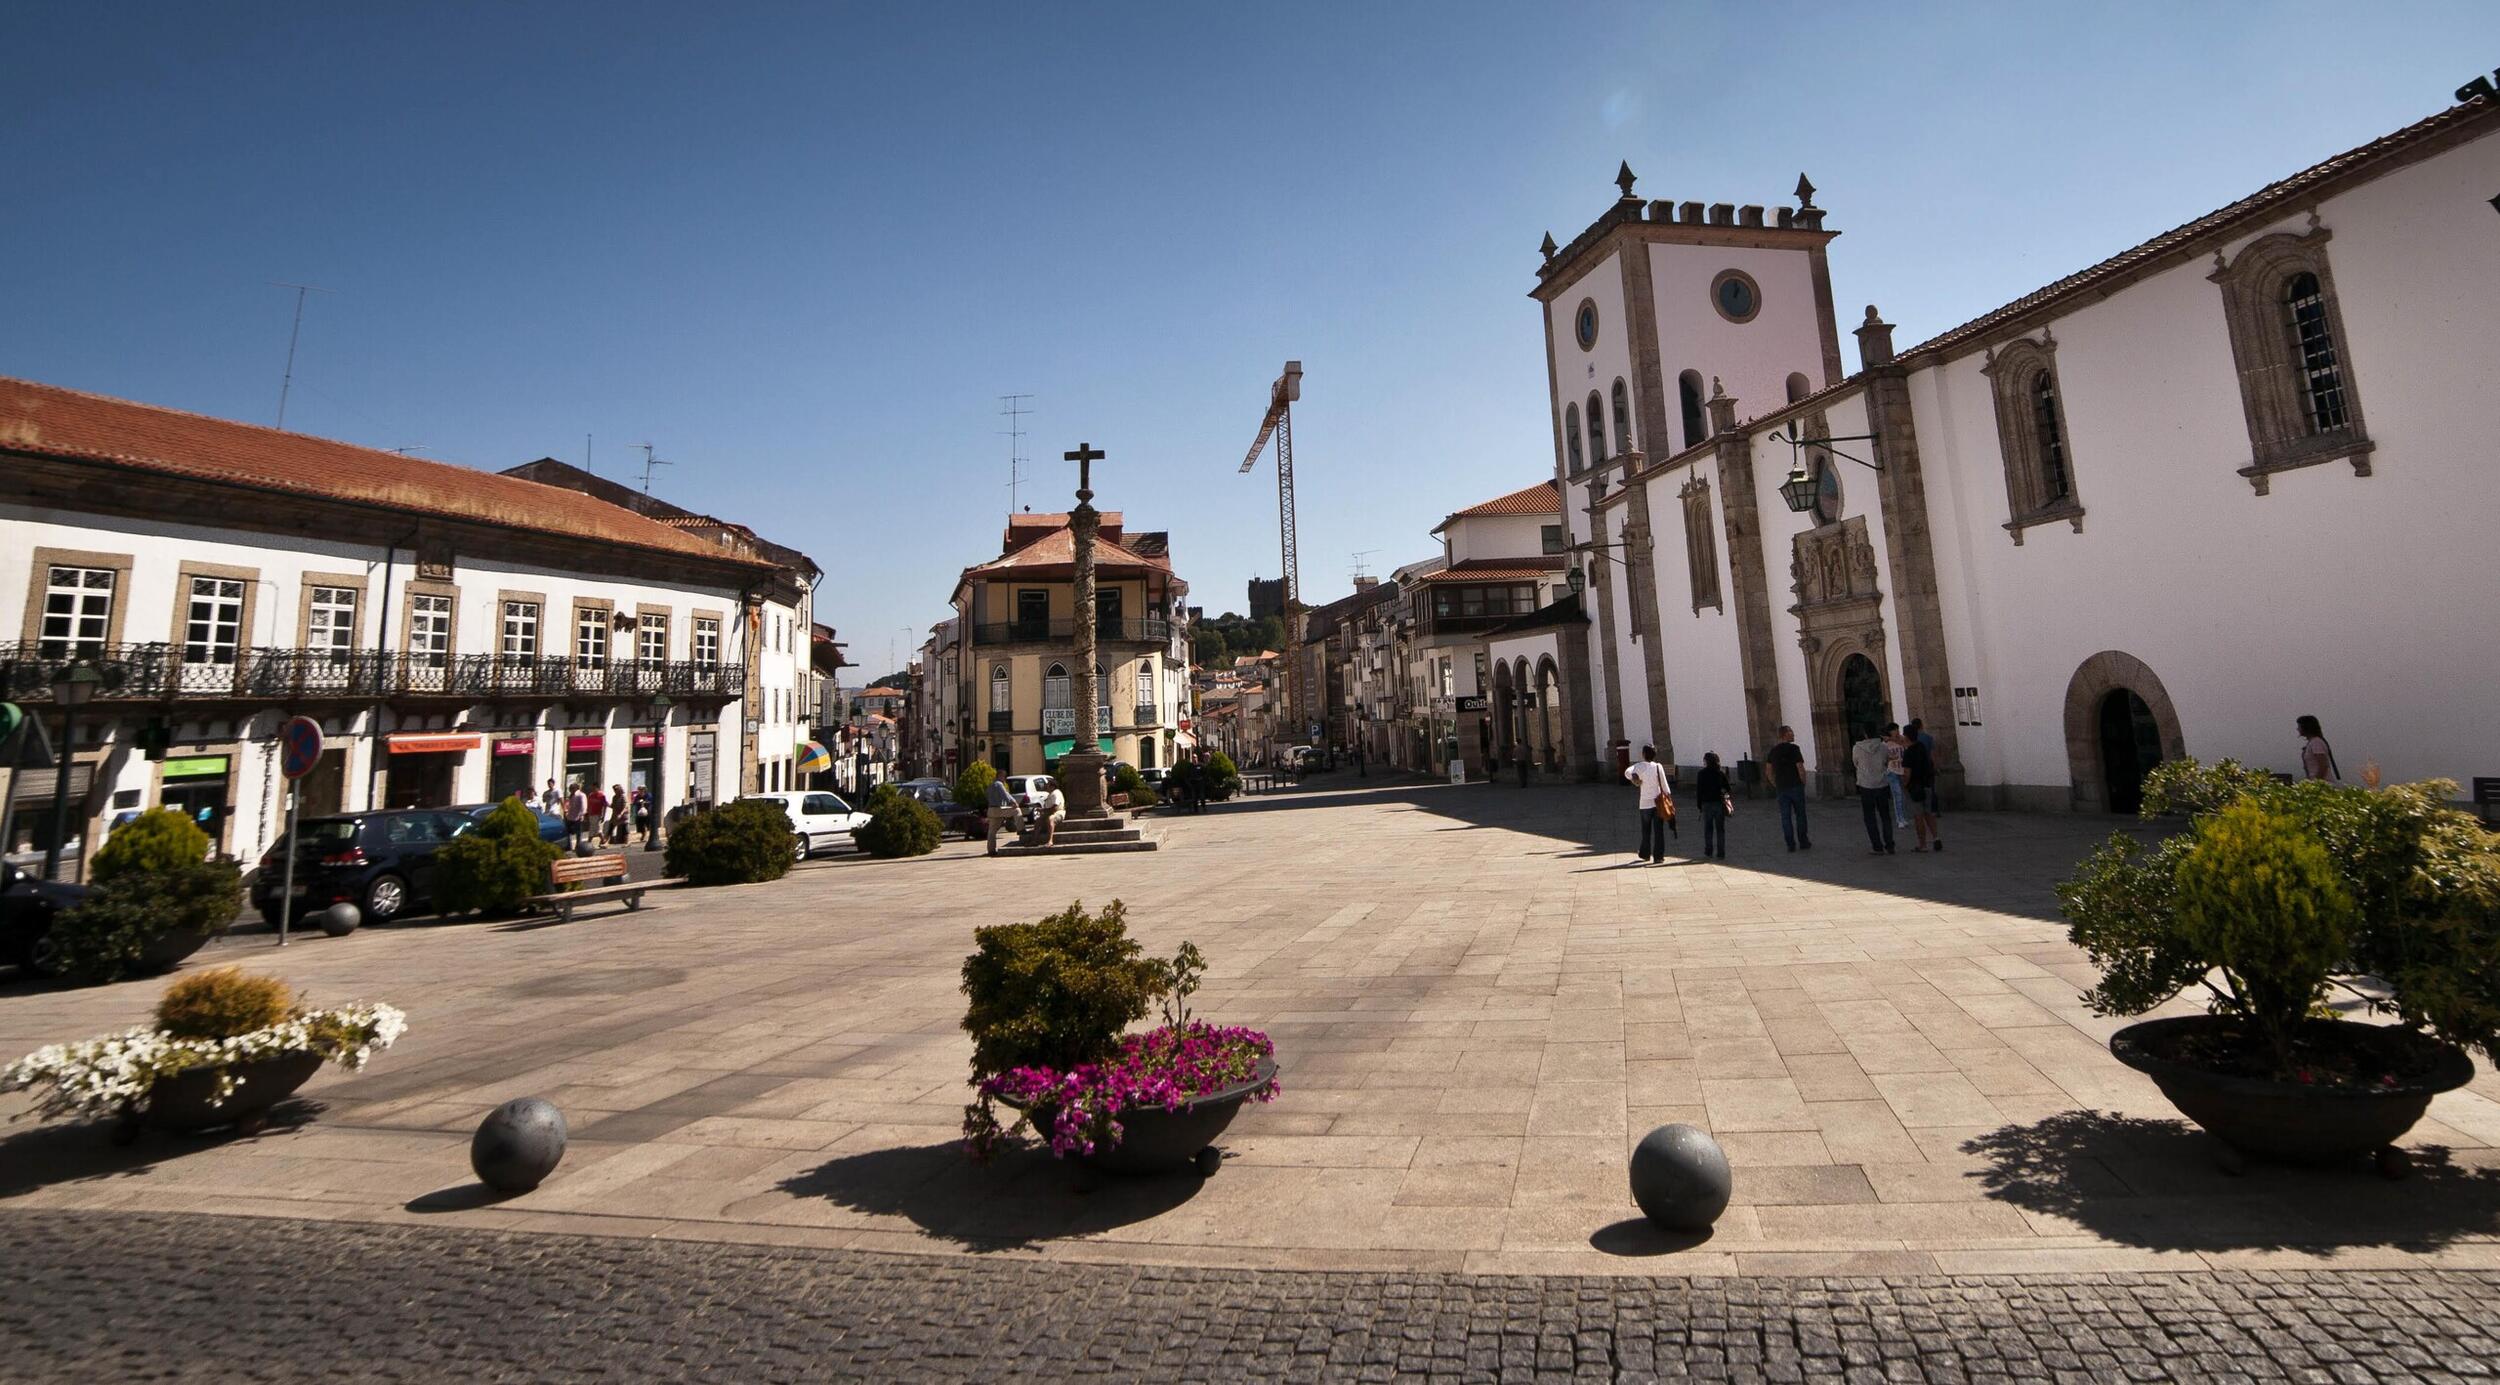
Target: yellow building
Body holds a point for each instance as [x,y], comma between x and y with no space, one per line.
[1016,637]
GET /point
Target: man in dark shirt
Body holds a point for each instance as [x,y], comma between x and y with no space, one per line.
[1788,779]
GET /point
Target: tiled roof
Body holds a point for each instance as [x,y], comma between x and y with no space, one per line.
[1539,499]
[1058,549]
[47,420]
[1498,570]
[881,691]
[2265,204]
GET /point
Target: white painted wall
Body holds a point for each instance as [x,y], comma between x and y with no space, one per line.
[1576,372]
[1752,360]
[1705,679]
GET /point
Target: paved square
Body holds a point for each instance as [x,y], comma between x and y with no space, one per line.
[1479,1005]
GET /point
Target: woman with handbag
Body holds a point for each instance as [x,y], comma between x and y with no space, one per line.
[1717,805]
[1657,804]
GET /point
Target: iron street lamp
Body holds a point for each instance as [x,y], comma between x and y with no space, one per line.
[72,687]
[1803,489]
[660,706]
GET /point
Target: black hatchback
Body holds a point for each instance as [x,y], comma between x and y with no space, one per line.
[381,862]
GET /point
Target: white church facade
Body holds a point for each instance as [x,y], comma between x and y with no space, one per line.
[2235,475]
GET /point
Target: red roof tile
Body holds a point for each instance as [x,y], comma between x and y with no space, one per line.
[1498,569]
[1539,499]
[47,420]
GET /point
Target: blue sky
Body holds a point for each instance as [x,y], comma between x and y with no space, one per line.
[803,249]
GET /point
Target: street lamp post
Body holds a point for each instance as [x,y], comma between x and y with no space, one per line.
[71,687]
[660,706]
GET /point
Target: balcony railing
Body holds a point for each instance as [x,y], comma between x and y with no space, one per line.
[1151,630]
[160,673]
[1454,623]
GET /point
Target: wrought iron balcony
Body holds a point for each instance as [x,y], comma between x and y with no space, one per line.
[162,673]
[1150,630]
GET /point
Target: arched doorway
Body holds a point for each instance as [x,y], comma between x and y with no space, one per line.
[2130,746]
[1506,743]
[2119,724]
[1549,727]
[1861,698]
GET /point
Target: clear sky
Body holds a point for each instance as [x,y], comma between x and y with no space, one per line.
[803,249]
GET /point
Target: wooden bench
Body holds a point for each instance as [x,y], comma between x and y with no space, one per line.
[578,872]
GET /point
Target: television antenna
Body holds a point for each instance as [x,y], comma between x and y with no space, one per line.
[1012,407]
[650,459]
[287,384]
[1361,567]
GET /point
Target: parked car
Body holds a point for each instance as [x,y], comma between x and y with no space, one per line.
[1024,788]
[28,905]
[382,862]
[550,825]
[952,816]
[819,821]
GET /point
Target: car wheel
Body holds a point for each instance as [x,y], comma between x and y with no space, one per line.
[385,898]
[43,955]
[799,847]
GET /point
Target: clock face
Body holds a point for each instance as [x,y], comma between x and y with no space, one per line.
[1584,324]
[1735,295]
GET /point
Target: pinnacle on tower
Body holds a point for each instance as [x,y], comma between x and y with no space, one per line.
[1805,193]
[1548,247]
[1624,179]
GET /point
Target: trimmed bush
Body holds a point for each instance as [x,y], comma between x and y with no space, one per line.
[152,877]
[972,787]
[1223,777]
[1140,793]
[1057,992]
[2257,896]
[496,866]
[223,1003]
[735,844]
[898,825]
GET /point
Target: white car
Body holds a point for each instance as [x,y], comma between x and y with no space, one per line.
[819,821]
[1024,788]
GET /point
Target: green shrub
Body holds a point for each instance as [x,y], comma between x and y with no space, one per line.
[223,1003]
[152,877]
[735,844]
[972,787]
[1223,777]
[496,866]
[898,825]
[2256,895]
[1140,793]
[1055,993]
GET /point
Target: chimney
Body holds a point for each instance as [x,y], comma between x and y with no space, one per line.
[1874,340]
[1722,409]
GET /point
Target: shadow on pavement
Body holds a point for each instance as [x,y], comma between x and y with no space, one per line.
[82,1151]
[460,1197]
[1639,1236]
[1019,1199]
[2157,1184]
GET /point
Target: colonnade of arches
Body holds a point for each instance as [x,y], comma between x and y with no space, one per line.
[1525,707]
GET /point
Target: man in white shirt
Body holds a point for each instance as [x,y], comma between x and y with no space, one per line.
[1050,806]
[1869,759]
[1651,777]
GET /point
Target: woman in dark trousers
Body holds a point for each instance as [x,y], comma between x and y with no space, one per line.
[1918,769]
[1711,787]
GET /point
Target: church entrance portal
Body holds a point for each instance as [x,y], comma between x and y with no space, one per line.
[2130,746]
[1861,697]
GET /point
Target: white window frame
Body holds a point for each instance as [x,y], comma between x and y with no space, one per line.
[706,648]
[521,624]
[212,620]
[429,627]
[75,607]
[330,621]
[590,637]
[651,640]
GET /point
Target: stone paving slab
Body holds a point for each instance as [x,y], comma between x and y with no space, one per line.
[1479,1005]
[113,1298]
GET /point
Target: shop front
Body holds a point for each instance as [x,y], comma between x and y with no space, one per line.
[425,769]
[513,768]
[199,788]
[642,772]
[585,761]
[699,784]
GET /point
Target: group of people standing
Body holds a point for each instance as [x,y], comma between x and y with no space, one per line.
[1896,778]
[593,815]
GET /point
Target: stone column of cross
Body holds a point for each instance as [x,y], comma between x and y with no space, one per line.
[1081,769]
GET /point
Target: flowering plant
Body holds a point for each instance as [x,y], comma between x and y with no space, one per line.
[112,1074]
[1167,1067]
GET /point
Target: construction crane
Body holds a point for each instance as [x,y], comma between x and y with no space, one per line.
[1279,424]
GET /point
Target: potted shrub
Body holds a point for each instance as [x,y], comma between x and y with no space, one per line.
[972,787]
[898,825]
[2274,892]
[158,897]
[497,866]
[1223,777]
[225,1048]
[736,844]
[1140,793]
[1049,1003]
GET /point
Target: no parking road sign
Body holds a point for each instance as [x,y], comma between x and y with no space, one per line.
[299,747]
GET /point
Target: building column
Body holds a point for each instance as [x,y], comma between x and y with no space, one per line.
[1740,512]
[1600,590]
[1641,572]
[1909,549]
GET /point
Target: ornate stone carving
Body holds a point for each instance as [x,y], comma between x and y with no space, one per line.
[1833,564]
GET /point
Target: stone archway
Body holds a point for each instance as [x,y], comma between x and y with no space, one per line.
[1549,712]
[2092,760]
[1835,666]
[1505,718]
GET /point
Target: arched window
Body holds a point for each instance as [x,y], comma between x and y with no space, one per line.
[1798,386]
[1102,700]
[1145,690]
[1571,438]
[1688,392]
[2032,439]
[2313,354]
[1057,696]
[1001,691]
[2293,356]
[1623,415]
[1597,429]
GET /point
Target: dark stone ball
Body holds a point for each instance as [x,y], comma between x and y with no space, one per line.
[1680,1178]
[518,1145]
[339,919]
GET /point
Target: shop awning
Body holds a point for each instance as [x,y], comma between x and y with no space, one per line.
[1052,750]
[435,744]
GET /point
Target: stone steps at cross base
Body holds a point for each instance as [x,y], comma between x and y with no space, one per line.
[1099,844]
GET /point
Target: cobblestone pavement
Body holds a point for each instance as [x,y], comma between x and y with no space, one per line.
[99,1297]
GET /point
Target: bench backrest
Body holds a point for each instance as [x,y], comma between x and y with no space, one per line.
[577,870]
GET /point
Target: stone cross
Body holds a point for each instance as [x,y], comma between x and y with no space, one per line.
[1081,769]
[1085,455]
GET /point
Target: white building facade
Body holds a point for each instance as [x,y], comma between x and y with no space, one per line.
[2161,507]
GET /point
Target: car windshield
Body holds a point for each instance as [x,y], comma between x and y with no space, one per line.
[324,833]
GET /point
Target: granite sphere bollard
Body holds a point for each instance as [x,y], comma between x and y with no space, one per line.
[1680,1178]
[339,919]
[518,1145]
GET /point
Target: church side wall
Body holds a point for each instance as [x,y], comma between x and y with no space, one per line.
[1705,679]
[1751,359]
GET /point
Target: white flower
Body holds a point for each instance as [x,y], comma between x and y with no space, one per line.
[103,1076]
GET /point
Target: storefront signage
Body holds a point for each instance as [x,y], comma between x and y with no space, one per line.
[519,747]
[434,745]
[195,766]
[585,743]
[645,740]
[1471,704]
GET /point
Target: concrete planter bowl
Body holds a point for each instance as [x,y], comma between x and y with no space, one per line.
[1157,1141]
[185,1103]
[2294,1122]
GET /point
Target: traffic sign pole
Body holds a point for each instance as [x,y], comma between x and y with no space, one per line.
[299,749]
[286,898]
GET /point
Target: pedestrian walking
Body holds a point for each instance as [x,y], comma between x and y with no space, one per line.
[642,812]
[1788,781]
[1004,815]
[615,826]
[1868,759]
[576,813]
[1935,797]
[1710,789]
[2317,758]
[553,799]
[1918,764]
[1360,763]
[595,815]
[1896,777]
[1657,803]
